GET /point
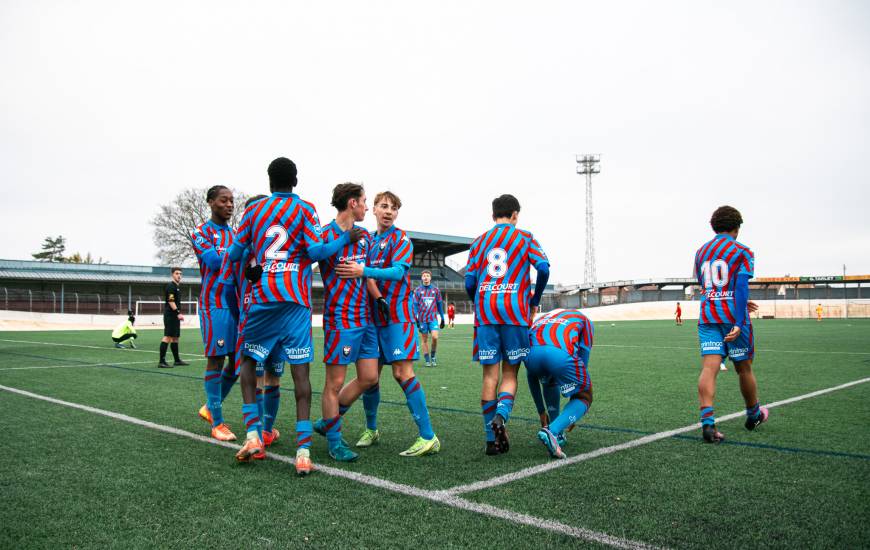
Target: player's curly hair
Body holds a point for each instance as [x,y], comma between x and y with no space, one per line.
[726,219]
[343,192]
[282,174]
[505,206]
[213,191]
[390,196]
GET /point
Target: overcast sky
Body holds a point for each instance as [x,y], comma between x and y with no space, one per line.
[107,109]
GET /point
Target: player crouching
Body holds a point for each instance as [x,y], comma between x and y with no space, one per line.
[561,342]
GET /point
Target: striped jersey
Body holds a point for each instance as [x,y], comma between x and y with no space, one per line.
[345,301]
[717,265]
[243,285]
[500,260]
[391,249]
[279,229]
[566,329]
[426,300]
[214,294]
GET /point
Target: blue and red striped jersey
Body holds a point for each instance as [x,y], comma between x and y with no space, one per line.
[207,237]
[279,229]
[717,265]
[391,249]
[345,301]
[426,300]
[500,260]
[566,329]
[243,286]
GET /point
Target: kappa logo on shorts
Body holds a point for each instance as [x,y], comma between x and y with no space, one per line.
[383,245]
[397,351]
[346,350]
[220,343]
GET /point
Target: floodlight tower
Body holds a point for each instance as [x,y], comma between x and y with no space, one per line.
[588,165]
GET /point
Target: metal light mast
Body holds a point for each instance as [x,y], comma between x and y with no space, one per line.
[588,165]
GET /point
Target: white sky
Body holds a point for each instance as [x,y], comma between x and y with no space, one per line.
[107,109]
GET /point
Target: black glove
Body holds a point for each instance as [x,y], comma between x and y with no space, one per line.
[383,307]
[253,273]
[442,323]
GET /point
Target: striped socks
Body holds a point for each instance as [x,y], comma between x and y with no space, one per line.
[488,409]
[707,418]
[251,417]
[505,405]
[333,431]
[304,430]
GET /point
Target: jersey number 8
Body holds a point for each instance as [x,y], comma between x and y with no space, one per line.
[496,260]
[714,274]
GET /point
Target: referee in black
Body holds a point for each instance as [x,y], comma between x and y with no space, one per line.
[172,318]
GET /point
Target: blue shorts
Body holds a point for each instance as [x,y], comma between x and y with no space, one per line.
[398,342]
[345,346]
[259,370]
[428,326]
[285,326]
[219,330]
[712,339]
[494,343]
[569,372]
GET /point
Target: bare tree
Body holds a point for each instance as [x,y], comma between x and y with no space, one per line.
[175,221]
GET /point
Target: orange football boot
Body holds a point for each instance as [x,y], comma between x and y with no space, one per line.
[205,414]
[270,437]
[303,462]
[252,447]
[222,432]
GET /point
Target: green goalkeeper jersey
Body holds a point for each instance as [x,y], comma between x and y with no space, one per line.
[124,328]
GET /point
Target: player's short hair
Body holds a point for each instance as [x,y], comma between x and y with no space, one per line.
[390,196]
[213,192]
[254,199]
[282,174]
[425,271]
[504,206]
[343,192]
[172,270]
[726,219]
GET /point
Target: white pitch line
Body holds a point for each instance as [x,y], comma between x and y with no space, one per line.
[107,347]
[441,497]
[88,365]
[548,466]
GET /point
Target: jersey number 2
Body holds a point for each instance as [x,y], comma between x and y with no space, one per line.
[274,251]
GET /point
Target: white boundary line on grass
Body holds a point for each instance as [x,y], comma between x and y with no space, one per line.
[440,497]
[85,365]
[548,466]
[107,347]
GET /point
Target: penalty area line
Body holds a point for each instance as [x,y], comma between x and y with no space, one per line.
[440,497]
[548,466]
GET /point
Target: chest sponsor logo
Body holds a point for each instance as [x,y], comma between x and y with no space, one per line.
[428,302]
[358,258]
[282,267]
[550,321]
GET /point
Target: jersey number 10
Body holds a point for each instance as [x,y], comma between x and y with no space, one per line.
[714,273]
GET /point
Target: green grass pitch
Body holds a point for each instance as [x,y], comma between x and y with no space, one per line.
[75,479]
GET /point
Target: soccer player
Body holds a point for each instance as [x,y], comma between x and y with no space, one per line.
[285,236]
[389,286]
[218,308]
[172,318]
[819,311]
[723,267]
[428,304]
[268,391]
[545,394]
[679,315]
[561,342]
[349,333]
[497,279]
[125,331]
[451,314]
